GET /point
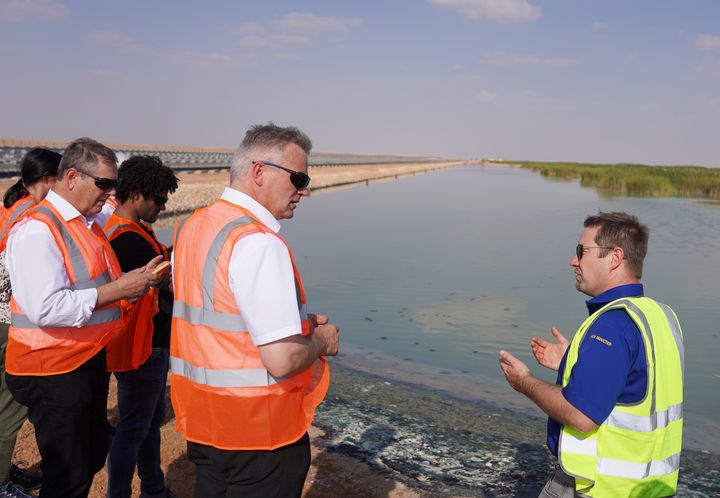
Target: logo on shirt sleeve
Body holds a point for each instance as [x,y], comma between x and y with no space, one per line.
[601,339]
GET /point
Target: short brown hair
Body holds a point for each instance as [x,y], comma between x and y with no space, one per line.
[619,229]
[84,154]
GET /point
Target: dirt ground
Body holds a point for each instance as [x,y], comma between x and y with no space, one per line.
[331,474]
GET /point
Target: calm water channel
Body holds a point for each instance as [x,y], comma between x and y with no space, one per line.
[449,267]
[444,269]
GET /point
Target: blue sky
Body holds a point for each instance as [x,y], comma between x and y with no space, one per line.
[581,80]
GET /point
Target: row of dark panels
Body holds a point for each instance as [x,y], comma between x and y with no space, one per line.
[10,158]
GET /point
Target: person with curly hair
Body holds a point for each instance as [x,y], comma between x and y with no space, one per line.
[139,355]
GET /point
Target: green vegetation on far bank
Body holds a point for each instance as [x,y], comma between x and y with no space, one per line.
[635,180]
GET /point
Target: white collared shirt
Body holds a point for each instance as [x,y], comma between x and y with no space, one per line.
[40,284]
[262,279]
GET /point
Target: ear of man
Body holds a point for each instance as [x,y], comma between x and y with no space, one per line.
[618,259]
[258,173]
[71,177]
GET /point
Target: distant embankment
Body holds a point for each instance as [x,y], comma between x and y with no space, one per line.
[635,180]
[182,158]
[197,190]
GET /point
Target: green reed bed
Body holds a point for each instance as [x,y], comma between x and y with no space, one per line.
[636,180]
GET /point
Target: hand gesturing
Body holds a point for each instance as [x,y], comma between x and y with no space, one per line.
[549,354]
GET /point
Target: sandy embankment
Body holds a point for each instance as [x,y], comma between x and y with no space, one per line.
[341,475]
[199,189]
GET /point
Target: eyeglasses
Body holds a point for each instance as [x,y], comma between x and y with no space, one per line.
[104,184]
[160,200]
[299,179]
[580,249]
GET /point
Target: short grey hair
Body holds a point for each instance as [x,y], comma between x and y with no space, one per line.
[84,154]
[261,139]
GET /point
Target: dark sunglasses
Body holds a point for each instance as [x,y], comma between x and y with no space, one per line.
[580,249]
[104,184]
[299,179]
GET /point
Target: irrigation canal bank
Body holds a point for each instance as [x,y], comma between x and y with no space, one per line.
[376,436]
[201,188]
[444,446]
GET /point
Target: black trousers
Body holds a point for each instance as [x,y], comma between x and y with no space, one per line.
[69,412]
[276,473]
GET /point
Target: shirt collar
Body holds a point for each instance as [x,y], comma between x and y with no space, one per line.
[243,200]
[627,290]
[67,210]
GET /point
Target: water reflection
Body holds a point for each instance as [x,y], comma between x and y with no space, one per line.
[449,267]
[444,269]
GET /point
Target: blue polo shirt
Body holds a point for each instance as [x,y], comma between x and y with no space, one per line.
[608,371]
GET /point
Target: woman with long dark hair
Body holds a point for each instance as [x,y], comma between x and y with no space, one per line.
[37,175]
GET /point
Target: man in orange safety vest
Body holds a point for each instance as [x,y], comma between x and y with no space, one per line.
[246,357]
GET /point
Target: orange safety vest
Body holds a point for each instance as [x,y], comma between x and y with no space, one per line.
[89,262]
[10,216]
[221,392]
[132,347]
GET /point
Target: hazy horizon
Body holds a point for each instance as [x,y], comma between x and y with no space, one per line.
[576,81]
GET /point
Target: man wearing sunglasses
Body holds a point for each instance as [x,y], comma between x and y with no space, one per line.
[246,357]
[65,307]
[615,413]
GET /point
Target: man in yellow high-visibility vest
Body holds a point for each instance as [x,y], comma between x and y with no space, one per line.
[615,414]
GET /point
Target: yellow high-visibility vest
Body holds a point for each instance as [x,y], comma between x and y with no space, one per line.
[635,452]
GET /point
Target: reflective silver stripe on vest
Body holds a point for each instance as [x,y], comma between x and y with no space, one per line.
[208,276]
[572,444]
[82,272]
[206,315]
[632,307]
[637,423]
[250,377]
[198,316]
[637,471]
[27,204]
[114,229]
[677,334]
[96,318]
[101,279]
[82,280]
[180,225]
[298,294]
